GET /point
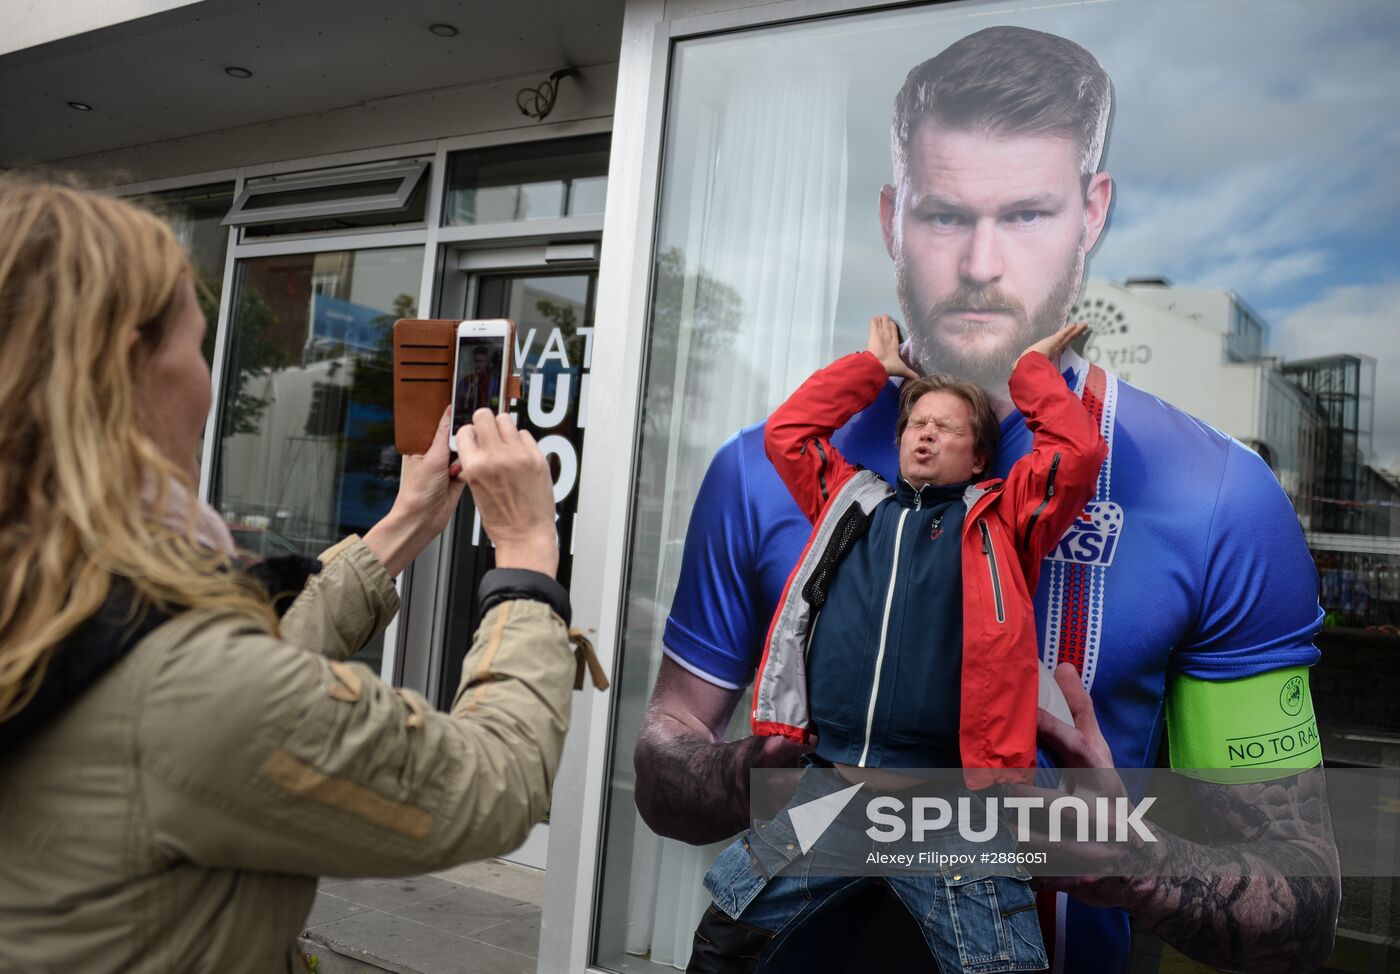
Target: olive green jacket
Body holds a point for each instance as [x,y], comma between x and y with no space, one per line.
[176,816]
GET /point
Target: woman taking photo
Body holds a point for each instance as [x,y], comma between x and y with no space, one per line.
[177,763]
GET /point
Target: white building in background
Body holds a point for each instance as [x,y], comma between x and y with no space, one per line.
[1202,350]
[285,478]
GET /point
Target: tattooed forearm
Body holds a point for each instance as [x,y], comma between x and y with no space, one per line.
[1247,919]
[693,789]
[1263,896]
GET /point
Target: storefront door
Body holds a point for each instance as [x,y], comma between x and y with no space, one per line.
[553,315]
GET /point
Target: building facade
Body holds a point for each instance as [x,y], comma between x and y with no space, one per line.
[1203,350]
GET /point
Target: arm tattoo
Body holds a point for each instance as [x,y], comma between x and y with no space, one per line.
[1263,896]
[690,788]
[1265,893]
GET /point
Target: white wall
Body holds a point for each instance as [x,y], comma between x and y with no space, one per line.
[1209,306]
[29,23]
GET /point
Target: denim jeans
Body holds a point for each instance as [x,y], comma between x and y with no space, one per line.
[973,921]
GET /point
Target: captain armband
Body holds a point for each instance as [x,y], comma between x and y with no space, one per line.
[1257,728]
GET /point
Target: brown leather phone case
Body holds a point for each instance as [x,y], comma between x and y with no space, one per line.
[424,355]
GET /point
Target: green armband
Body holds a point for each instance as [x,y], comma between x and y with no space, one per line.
[1260,727]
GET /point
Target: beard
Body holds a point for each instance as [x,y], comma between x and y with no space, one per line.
[936,344]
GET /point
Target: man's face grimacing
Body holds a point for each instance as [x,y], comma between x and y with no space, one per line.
[988,234]
[937,445]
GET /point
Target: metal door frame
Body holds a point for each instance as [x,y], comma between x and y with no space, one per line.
[430,596]
[424,629]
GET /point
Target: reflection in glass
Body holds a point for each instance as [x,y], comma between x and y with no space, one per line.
[528,181]
[553,315]
[197,215]
[306,447]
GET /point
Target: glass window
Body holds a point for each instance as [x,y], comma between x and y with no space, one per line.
[322,194]
[1233,172]
[528,181]
[380,194]
[410,214]
[553,315]
[306,434]
[197,215]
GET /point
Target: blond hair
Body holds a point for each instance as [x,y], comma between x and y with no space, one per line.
[82,277]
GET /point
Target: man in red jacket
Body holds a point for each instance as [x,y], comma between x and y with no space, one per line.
[905,637]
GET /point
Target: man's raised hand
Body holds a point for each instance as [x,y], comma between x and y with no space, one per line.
[1052,345]
[510,484]
[883,343]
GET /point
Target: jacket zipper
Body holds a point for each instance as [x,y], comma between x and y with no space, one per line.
[821,470]
[811,634]
[918,495]
[992,567]
[884,635]
[1049,493]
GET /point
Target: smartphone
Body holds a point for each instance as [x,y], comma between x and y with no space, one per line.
[482,370]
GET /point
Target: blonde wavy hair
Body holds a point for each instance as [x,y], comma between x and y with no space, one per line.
[80,273]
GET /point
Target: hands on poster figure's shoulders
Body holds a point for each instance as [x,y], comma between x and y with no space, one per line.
[883,342]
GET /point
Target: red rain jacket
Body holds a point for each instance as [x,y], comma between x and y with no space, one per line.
[1010,526]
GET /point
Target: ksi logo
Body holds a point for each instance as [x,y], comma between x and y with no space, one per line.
[1093,538]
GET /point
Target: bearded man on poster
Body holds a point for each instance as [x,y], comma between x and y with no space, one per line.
[1166,608]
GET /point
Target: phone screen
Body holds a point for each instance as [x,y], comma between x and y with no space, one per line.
[478,381]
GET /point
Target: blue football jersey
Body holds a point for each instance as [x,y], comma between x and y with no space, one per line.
[1190,560]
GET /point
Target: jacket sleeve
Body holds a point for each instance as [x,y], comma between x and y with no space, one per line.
[256,754]
[344,605]
[1048,487]
[797,437]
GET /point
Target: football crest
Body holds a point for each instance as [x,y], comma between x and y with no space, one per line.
[1093,537]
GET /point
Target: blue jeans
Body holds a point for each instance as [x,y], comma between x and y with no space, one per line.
[972,921]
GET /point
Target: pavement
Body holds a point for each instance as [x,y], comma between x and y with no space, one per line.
[478,918]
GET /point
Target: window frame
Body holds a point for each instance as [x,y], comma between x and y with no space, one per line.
[414,621]
[408,172]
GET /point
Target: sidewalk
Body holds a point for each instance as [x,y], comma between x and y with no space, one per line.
[482,918]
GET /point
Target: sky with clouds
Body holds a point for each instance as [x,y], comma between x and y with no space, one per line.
[1280,184]
[1253,147]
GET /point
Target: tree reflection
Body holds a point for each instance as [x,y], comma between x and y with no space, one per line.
[255,355]
[371,463]
[708,327]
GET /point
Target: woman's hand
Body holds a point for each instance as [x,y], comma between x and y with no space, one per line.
[883,343]
[428,491]
[428,494]
[1052,345]
[513,492]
